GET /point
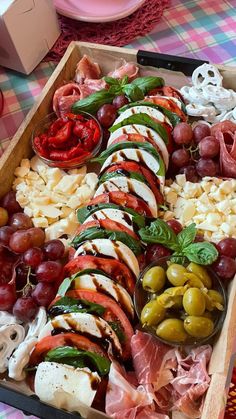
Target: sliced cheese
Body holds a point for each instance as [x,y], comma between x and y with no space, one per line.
[148,110]
[117,215]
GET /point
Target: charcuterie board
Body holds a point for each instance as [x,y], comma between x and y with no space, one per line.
[221,363]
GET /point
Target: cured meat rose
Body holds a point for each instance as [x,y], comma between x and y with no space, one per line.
[124,401]
[227,158]
[127,69]
[66,95]
[223,127]
[86,69]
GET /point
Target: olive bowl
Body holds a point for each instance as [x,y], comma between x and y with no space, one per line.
[142,297]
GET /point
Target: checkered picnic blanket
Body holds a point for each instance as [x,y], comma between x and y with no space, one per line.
[204,29]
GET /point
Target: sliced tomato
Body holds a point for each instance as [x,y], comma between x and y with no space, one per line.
[63,339]
[113,313]
[125,200]
[117,270]
[167,91]
[168,104]
[107,224]
[152,180]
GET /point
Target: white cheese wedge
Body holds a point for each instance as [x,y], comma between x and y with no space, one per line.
[103,284]
[119,216]
[131,186]
[111,248]
[68,184]
[66,387]
[84,323]
[145,132]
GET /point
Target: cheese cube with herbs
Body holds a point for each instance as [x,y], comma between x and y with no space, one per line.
[50,196]
[211,204]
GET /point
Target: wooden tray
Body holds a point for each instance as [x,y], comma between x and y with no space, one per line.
[20,147]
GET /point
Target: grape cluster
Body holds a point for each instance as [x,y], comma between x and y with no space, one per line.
[30,268]
[225,265]
[198,151]
[107,114]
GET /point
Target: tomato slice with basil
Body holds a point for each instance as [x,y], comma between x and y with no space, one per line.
[63,339]
[112,314]
[107,224]
[117,270]
[168,104]
[123,199]
[152,180]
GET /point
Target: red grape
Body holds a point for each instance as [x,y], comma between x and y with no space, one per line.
[201,131]
[156,251]
[10,203]
[25,309]
[20,221]
[7,297]
[37,236]
[180,158]
[209,147]
[225,267]
[6,270]
[182,133]
[54,249]
[5,234]
[120,101]
[106,115]
[33,257]
[227,247]
[43,294]
[206,167]
[190,173]
[3,216]
[20,241]
[48,271]
[175,225]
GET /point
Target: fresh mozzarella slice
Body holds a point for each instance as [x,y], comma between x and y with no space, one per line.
[84,323]
[101,283]
[111,248]
[20,359]
[152,112]
[66,387]
[132,186]
[145,132]
[119,216]
[139,156]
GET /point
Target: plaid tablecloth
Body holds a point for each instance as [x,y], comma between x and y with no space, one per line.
[204,29]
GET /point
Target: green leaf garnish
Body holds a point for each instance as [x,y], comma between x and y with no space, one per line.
[160,232]
[73,305]
[173,117]
[203,253]
[132,175]
[187,235]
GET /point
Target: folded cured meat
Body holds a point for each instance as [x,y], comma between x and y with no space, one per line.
[227,157]
[86,69]
[127,69]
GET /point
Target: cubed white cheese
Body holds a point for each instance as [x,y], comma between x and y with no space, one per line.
[171,197]
[21,171]
[41,222]
[181,180]
[84,193]
[68,184]
[49,211]
[91,180]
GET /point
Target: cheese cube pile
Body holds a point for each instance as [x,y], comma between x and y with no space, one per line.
[211,204]
[50,196]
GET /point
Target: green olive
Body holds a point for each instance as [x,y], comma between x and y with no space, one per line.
[177,296]
[201,273]
[217,298]
[194,302]
[175,274]
[152,313]
[198,327]
[154,279]
[193,280]
[172,330]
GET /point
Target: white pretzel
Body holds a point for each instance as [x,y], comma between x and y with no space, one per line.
[185,92]
[200,110]
[228,104]
[7,318]
[206,74]
[234,113]
[215,118]
[37,324]
[229,116]
[10,338]
[20,359]
[215,93]
[196,96]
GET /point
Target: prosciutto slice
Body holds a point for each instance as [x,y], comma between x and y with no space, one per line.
[86,69]
[227,158]
[127,69]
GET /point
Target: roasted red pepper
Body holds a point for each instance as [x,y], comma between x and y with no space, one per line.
[62,135]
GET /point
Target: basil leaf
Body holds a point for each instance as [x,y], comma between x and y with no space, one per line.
[115,90]
[187,235]
[133,93]
[160,232]
[111,81]
[129,144]
[148,83]
[90,271]
[65,285]
[118,331]
[79,359]
[98,233]
[131,175]
[203,253]
[124,80]
[73,305]
[142,119]
[93,102]
[173,117]
[85,212]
